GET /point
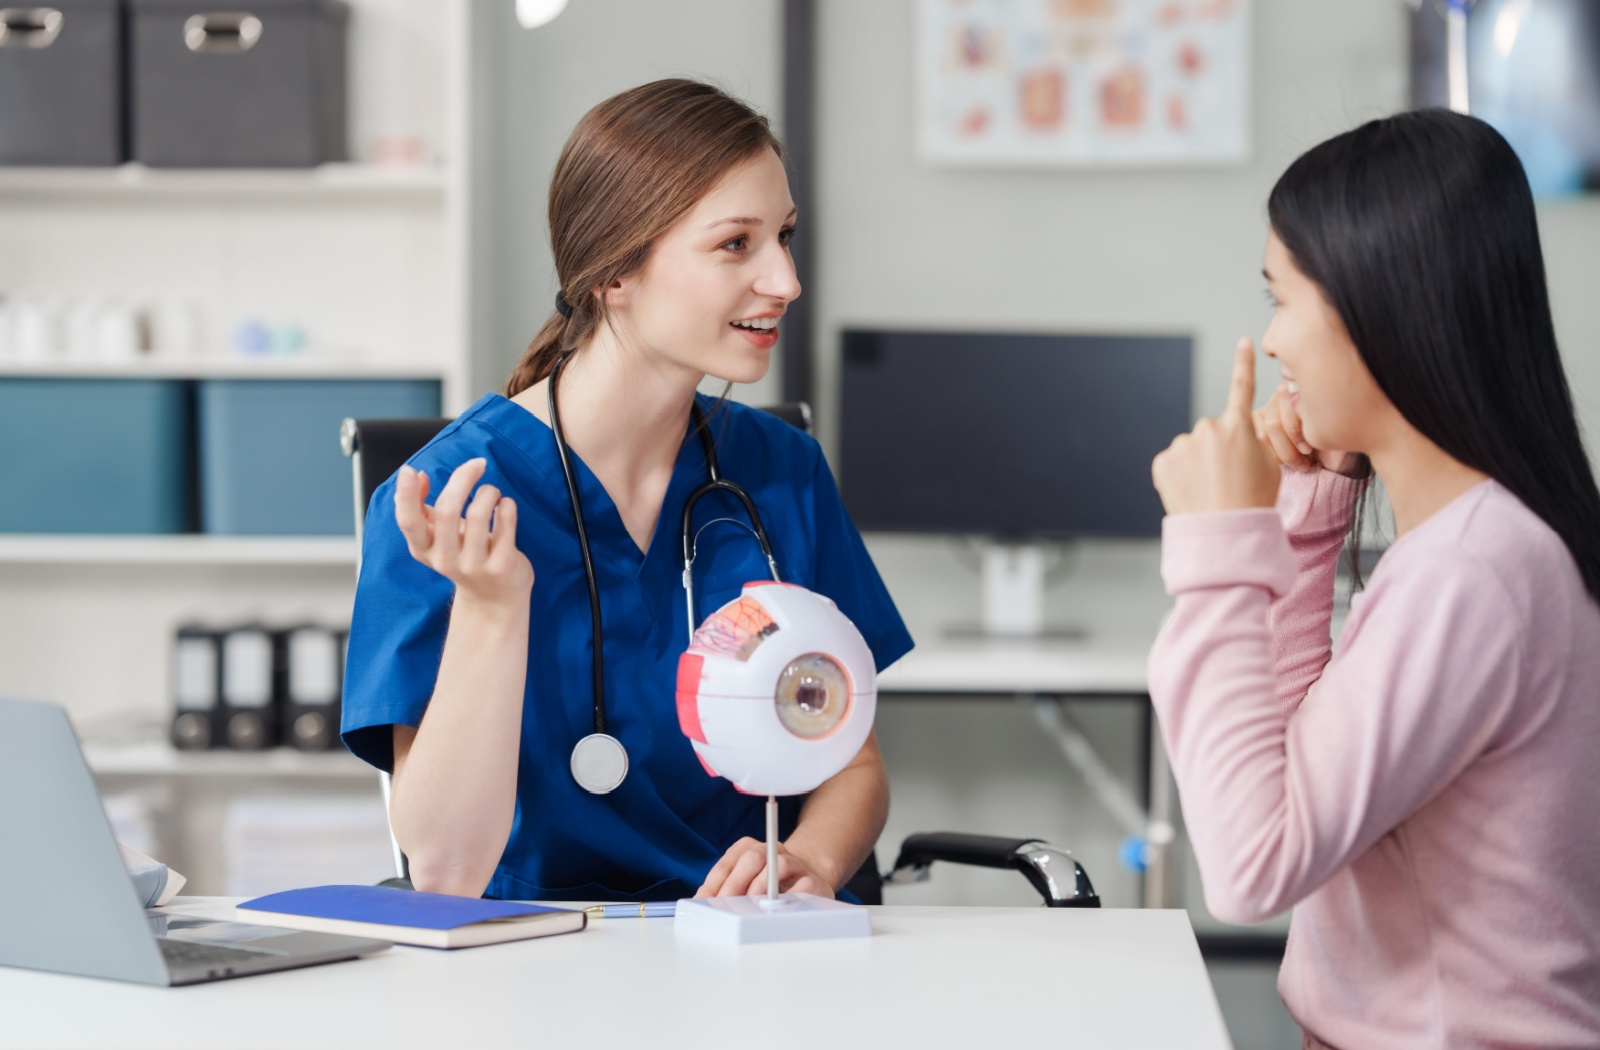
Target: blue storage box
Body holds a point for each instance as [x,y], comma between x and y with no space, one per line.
[95,455]
[270,463]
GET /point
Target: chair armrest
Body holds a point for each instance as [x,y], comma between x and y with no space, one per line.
[1060,879]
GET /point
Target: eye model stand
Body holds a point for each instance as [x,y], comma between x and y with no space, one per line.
[775,917]
[776,693]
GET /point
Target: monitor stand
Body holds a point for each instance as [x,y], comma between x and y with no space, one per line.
[1013,597]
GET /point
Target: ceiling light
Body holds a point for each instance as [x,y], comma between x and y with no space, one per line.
[534,13]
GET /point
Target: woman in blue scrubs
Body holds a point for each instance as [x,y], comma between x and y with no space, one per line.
[469,672]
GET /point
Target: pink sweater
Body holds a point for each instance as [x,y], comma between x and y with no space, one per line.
[1428,798]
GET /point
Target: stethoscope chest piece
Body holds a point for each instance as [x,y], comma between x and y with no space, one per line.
[599,763]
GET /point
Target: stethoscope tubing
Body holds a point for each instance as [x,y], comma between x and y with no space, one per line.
[717,484]
[596,624]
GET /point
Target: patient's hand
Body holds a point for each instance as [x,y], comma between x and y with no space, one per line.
[743,871]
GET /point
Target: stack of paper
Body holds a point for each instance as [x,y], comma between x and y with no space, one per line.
[133,821]
[279,843]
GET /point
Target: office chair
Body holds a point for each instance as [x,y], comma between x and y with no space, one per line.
[377,448]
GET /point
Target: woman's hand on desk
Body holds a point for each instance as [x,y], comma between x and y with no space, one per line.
[473,545]
[742,871]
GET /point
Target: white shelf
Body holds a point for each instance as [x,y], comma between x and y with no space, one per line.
[300,366]
[23,549]
[135,181]
[373,260]
[157,758]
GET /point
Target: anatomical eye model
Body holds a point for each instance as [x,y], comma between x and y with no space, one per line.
[776,693]
[778,690]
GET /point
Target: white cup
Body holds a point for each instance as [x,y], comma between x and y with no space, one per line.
[116,333]
[80,338]
[8,331]
[34,331]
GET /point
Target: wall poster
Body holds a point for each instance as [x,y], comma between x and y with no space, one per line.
[1084,83]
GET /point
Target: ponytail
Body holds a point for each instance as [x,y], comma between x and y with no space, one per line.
[540,357]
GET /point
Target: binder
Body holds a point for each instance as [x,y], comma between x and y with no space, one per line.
[249,711]
[196,688]
[313,662]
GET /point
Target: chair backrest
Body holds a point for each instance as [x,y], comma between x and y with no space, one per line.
[377,448]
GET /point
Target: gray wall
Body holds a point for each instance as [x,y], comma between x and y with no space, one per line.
[901,243]
[530,88]
[1168,250]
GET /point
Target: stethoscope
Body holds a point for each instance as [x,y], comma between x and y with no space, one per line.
[599,761]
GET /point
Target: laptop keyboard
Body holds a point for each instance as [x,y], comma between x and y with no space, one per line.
[190,953]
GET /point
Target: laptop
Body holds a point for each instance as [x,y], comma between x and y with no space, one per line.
[66,901]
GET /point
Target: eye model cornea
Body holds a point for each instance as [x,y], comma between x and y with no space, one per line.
[813,696]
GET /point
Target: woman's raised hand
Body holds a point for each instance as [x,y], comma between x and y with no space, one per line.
[1223,464]
[473,545]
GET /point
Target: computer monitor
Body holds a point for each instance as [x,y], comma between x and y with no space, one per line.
[1018,438]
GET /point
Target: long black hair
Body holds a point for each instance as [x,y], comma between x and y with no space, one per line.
[1420,230]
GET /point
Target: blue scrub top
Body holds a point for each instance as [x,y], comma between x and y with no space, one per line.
[656,836]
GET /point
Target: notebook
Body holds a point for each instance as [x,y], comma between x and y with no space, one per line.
[431,920]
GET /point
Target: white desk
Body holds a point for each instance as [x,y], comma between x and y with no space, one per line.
[1106,664]
[928,977]
[1098,665]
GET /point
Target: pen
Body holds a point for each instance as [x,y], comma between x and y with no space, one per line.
[642,910]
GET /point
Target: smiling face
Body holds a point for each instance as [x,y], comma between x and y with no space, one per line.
[716,283]
[1341,406]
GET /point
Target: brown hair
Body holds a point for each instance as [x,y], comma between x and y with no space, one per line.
[634,166]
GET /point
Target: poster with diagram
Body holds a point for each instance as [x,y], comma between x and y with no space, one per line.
[1084,83]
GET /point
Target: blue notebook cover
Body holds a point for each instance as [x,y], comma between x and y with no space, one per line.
[391,907]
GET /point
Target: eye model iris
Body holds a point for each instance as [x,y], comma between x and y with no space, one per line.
[813,696]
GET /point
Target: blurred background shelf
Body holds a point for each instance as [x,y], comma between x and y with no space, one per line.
[157,758]
[20,549]
[300,366]
[342,182]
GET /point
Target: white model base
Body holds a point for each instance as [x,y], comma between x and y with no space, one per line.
[758,920]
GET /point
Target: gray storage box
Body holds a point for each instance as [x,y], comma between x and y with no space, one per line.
[270,462]
[95,455]
[260,84]
[61,83]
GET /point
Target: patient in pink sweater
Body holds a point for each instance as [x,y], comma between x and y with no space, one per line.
[1427,797]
